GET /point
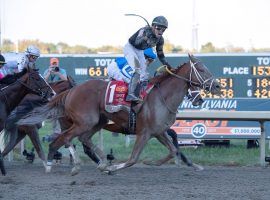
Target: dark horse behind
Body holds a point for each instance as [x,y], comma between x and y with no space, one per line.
[84,107]
[15,87]
[32,130]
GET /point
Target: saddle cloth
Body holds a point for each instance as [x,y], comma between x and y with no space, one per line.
[116,93]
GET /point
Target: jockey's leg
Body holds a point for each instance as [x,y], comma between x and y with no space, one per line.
[132,87]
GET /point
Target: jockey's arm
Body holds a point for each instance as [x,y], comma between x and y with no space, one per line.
[160,53]
[140,38]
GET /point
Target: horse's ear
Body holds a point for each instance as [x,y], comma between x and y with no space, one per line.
[191,57]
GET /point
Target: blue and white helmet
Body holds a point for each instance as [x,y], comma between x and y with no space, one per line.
[32,50]
[149,53]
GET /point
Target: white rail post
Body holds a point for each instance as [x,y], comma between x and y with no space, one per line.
[262,145]
[101,146]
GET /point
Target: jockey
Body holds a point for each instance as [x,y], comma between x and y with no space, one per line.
[120,70]
[29,58]
[144,38]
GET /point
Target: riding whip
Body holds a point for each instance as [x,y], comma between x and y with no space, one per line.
[139,16]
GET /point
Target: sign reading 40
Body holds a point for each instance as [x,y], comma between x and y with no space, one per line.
[198,130]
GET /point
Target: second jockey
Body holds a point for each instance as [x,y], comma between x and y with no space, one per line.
[120,70]
[28,59]
[145,37]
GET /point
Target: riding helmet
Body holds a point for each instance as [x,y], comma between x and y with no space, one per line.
[160,21]
[32,50]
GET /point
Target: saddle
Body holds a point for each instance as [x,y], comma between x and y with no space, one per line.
[115,100]
[116,93]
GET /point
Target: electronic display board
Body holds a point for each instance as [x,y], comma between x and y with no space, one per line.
[240,75]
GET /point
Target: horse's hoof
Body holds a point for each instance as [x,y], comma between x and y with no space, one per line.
[48,169]
[148,162]
[152,163]
[109,172]
[198,167]
[102,166]
[75,170]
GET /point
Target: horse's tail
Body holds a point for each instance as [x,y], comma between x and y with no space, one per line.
[52,110]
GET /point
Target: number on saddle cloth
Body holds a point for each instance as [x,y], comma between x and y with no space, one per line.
[117,91]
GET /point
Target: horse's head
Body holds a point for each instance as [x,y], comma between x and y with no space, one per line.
[37,85]
[200,76]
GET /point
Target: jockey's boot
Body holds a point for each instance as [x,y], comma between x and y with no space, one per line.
[132,87]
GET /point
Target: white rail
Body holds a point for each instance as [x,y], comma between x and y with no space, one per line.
[259,116]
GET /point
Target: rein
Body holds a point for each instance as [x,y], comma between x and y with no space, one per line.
[164,101]
[34,91]
[29,88]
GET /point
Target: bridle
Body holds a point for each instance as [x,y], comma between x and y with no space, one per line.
[193,70]
[201,82]
[39,91]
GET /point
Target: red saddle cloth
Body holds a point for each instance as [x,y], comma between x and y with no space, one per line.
[117,92]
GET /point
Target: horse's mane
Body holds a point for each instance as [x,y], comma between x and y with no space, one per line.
[11,78]
[58,100]
[70,80]
[164,75]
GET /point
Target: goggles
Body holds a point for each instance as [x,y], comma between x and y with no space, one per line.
[33,57]
[160,28]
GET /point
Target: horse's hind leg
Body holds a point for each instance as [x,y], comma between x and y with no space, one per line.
[32,132]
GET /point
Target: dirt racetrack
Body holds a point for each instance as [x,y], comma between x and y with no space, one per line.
[29,182]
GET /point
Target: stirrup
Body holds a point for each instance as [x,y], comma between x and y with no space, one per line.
[132,97]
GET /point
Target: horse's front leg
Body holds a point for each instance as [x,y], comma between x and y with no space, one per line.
[180,155]
[164,139]
[141,140]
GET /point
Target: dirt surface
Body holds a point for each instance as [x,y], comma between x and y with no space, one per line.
[29,182]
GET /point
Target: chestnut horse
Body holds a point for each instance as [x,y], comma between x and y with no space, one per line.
[193,96]
[32,130]
[84,106]
[20,84]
